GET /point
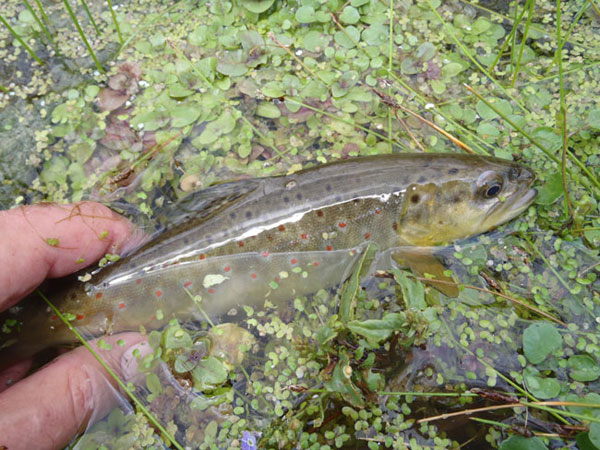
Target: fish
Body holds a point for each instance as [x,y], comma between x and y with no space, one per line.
[272,239]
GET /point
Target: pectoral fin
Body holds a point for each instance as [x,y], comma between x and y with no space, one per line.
[425,265]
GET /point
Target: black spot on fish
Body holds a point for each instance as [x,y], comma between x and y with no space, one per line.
[209,239]
[415,198]
[421,179]
[395,226]
[455,199]
[328,187]
[186,240]
[248,214]
[299,196]
[286,199]
[356,201]
[338,198]
[232,215]
[452,171]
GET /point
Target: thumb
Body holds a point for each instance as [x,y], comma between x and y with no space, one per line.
[47,409]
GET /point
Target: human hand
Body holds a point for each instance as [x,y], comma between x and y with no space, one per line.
[47,409]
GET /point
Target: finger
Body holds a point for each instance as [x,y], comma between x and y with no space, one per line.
[51,240]
[47,409]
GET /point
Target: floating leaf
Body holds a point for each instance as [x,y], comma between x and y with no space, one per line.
[257,6]
[184,115]
[594,434]
[305,14]
[347,38]
[551,190]
[522,443]
[350,15]
[209,373]
[584,368]
[540,339]
[541,387]
[268,110]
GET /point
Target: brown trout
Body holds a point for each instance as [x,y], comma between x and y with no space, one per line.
[278,238]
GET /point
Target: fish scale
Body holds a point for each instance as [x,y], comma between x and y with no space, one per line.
[277,238]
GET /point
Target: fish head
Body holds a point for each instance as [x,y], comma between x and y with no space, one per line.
[463,196]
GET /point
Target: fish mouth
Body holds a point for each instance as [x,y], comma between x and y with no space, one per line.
[513,205]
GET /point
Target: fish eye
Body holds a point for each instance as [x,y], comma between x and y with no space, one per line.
[492,190]
[490,184]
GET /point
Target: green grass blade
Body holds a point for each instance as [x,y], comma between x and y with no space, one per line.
[21,41]
[41,24]
[390,68]
[42,11]
[89,14]
[82,34]
[508,39]
[3,89]
[523,41]
[114,18]
[563,110]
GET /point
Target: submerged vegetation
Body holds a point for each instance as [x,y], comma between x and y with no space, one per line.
[138,104]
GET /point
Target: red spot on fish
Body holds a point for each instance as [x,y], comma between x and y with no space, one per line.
[377,211]
[304,236]
[342,224]
[158,293]
[329,248]
[98,295]
[187,284]
[79,316]
[294,261]
[121,305]
[316,263]
[138,281]
[367,235]
[202,256]
[276,279]
[240,243]
[395,226]
[253,276]
[211,291]
[227,268]
[265,254]
[320,213]
[54,317]
[281,228]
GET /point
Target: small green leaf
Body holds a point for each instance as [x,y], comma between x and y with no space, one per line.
[594,434]
[540,339]
[184,115]
[257,6]
[540,387]
[594,119]
[209,373]
[551,190]
[305,14]
[347,38]
[350,15]
[583,368]
[377,330]
[522,443]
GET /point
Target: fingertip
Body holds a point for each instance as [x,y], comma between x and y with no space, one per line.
[58,400]
[51,240]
